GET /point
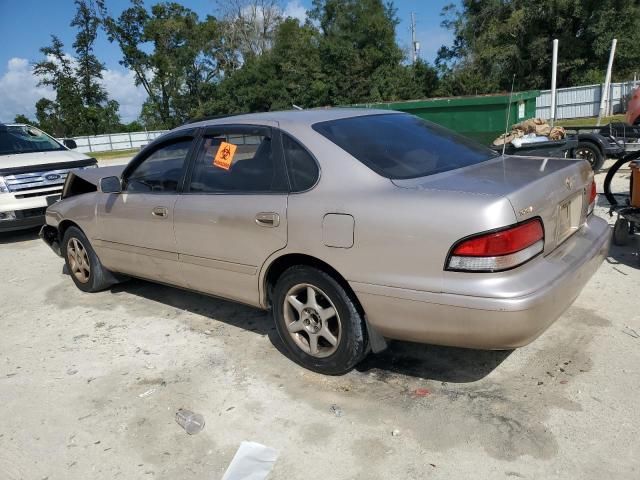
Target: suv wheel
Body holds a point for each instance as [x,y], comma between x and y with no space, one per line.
[83,264]
[318,321]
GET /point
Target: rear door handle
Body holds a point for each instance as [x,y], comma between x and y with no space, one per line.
[159,212]
[268,219]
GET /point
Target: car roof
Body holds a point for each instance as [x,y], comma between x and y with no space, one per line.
[290,117]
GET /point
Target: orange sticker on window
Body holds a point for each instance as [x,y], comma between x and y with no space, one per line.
[224,156]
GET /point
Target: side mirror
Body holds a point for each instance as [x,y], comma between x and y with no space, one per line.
[110,185]
[70,143]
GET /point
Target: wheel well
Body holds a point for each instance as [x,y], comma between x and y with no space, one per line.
[592,143]
[278,267]
[63,227]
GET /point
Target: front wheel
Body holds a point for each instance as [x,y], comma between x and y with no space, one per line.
[591,153]
[83,264]
[318,321]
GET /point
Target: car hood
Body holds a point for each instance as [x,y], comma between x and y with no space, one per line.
[93,175]
[19,160]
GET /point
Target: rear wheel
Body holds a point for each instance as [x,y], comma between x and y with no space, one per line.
[591,153]
[318,321]
[83,264]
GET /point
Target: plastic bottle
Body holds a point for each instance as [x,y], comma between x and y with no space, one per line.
[191,422]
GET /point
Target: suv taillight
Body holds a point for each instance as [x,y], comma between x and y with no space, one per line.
[593,195]
[498,250]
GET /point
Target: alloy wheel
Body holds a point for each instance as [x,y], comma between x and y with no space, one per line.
[78,260]
[312,320]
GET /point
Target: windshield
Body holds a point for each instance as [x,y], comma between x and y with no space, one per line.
[399,146]
[25,139]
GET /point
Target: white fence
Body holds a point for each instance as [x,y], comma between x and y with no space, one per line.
[116,141]
[584,101]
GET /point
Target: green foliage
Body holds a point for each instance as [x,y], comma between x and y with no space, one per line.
[20,118]
[185,59]
[253,59]
[81,106]
[495,39]
[351,58]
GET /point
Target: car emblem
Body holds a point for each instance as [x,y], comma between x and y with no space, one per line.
[52,176]
[568,182]
[526,211]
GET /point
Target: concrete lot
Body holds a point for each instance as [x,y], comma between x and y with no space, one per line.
[90,383]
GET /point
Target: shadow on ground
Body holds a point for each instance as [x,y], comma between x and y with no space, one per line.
[19,236]
[446,364]
[628,255]
[231,313]
[432,362]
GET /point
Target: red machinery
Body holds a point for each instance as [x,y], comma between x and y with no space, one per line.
[633,109]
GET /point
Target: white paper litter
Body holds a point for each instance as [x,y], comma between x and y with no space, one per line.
[252,461]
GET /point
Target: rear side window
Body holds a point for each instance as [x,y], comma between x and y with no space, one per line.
[399,146]
[302,168]
[230,163]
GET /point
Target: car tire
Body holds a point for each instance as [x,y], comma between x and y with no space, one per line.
[591,153]
[621,232]
[318,321]
[83,264]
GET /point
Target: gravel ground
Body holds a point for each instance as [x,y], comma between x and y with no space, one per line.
[90,383]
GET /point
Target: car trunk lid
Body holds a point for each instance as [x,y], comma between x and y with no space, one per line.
[556,190]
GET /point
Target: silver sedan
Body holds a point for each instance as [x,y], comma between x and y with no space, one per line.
[353,226]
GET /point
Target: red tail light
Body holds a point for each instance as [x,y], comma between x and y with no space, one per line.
[498,250]
[593,195]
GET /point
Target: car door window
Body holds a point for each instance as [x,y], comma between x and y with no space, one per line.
[236,163]
[161,171]
[303,169]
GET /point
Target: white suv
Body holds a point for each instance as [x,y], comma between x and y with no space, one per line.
[33,168]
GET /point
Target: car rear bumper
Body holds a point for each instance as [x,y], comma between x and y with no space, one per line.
[484,322]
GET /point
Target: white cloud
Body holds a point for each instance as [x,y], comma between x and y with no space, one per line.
[19,91]
[294,9]
[120,86]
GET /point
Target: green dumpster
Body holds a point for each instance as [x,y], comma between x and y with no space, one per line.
[481,117]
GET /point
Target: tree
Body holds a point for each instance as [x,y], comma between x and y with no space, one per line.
[290,73]
[20,118]
[300,67]
[56,70]
[89,68]
[495,39]
[81,106]
[186,59]
[250,25]
[358,50]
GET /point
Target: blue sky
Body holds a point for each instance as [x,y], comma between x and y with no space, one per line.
[26,25]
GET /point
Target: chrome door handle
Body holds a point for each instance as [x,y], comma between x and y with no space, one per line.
[268,219]
[159,212]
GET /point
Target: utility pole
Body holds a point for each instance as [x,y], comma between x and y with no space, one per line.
[415,45]
[554,70]
[604,97]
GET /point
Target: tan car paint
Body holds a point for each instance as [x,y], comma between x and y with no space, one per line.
[402,233]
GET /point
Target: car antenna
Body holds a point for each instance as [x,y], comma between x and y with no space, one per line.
[506,127]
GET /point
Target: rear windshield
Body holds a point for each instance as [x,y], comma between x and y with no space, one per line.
[400,146]
[25,139]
